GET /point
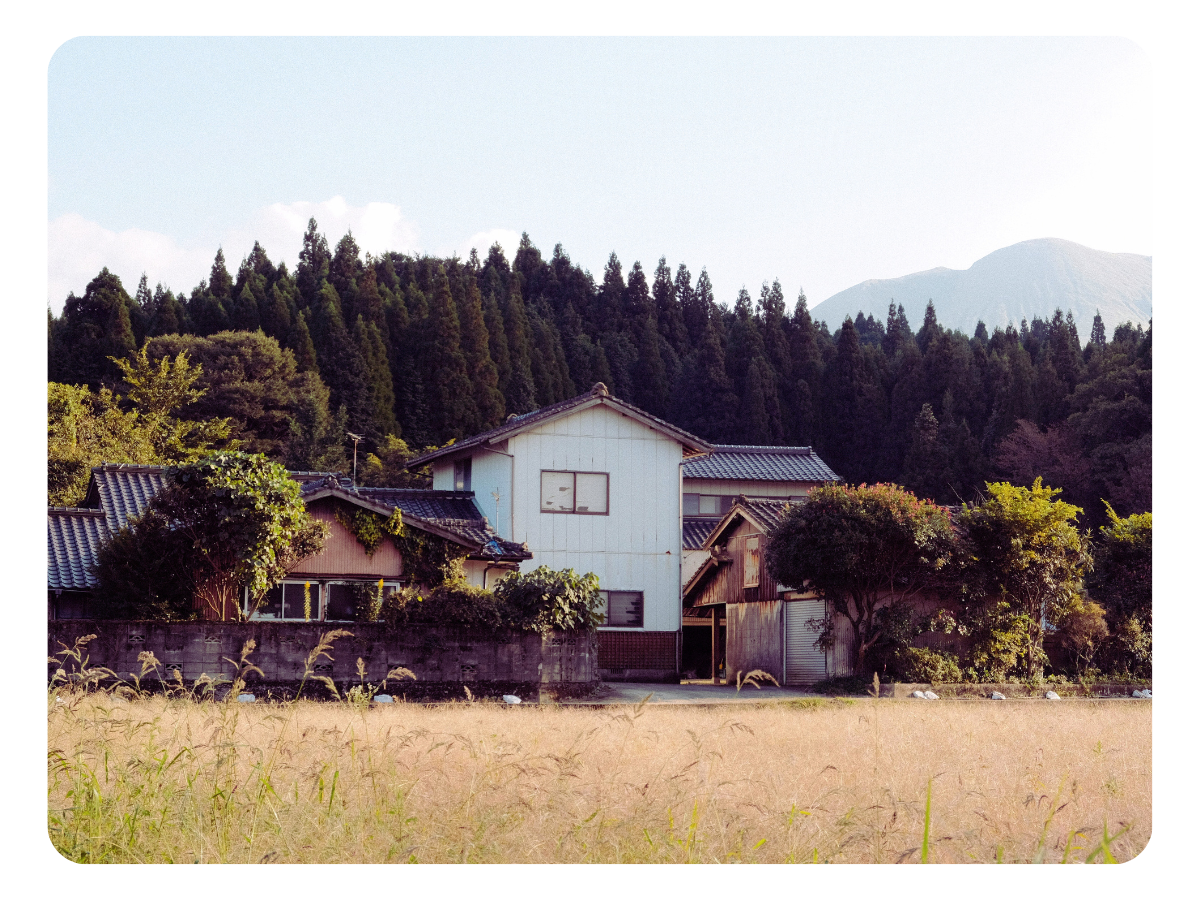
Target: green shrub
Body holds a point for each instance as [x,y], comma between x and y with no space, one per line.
[926,666]
[547,600]
[454,603]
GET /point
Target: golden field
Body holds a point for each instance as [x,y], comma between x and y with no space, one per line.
[175,780]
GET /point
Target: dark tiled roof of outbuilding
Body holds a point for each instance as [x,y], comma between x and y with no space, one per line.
[750,463]
[74,537]
[453,510]
[597,395]
[696,532]
[122,491]
[768,512]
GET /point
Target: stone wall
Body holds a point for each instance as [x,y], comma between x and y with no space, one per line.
[438,656]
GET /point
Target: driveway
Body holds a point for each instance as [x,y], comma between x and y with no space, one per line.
[613,693]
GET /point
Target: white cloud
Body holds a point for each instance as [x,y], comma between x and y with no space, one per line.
[79,249]
[377,227]
[483,240]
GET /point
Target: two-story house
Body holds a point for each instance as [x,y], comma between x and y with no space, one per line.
[592,484]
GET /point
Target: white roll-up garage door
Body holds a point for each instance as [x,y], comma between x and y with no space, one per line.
[805,663]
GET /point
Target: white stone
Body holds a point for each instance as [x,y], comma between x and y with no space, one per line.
[918,695]
[245,698]
[996,695]
[383,698]
[511,699]
[930,695]
[1050,695]
[1142,695]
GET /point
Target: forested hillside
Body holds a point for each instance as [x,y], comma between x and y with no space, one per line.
[428,349]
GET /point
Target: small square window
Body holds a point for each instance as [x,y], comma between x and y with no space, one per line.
[623,608]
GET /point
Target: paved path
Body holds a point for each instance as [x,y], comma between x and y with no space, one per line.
[619,692]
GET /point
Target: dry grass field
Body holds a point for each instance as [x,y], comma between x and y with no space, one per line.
[173,780]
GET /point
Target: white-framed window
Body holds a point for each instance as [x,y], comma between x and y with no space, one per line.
[623,609]
[582,493]
[333,601]
[285,602]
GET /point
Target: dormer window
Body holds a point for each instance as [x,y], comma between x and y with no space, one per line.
[462,474]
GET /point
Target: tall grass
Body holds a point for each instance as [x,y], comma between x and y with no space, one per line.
[187,778]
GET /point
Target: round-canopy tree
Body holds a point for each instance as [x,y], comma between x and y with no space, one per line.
[861,548]
[242,523]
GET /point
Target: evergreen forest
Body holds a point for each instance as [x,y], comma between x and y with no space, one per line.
[412,352]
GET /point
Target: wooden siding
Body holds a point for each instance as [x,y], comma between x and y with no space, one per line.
[637,546]
[754,638]
[725,584]
[343,554]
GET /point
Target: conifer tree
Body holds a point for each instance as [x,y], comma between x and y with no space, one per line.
[898,332]
[651,390]
[519,398]
[344,271]
[94,327]
[481,370]
[379,380]
[497,344]
[452,406]
[301,344]
[667,309]
[926,465]
[220,282]
[167,313]
[930,328]
[313,268]
[611,300]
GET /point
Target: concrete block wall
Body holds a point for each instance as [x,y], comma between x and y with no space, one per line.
[433,654]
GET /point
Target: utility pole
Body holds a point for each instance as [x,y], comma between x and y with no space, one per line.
[354,473]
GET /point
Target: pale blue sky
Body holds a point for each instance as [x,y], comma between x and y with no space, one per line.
[822,162]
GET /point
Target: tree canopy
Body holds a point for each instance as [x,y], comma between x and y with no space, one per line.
[861,548]
[242,524]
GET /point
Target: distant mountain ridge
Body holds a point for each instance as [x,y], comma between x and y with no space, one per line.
[1028,279]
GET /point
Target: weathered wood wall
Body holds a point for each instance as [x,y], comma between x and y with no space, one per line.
[754,639]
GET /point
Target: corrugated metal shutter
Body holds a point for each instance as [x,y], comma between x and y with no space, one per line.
[805,664]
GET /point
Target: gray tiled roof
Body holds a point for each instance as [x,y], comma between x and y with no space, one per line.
[519,423]
[122,491]
[74,536]
[749,463]
[696,532]
[453,510]
[769,512]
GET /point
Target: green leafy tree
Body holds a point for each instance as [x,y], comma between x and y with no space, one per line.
[1025,559]
[862,549]
[84,430]
[139,572]
[1121,582]
[242,523]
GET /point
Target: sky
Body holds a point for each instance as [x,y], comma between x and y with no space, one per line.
[820,162]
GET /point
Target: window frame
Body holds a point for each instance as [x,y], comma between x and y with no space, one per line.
[753,552]
[462,467]
[724,504]
[606,594]
[318,601]
[388,585]
[574,473]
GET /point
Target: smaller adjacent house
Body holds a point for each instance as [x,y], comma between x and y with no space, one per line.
[323,587]
[768,626]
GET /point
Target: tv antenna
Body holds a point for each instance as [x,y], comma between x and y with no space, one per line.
[354,472]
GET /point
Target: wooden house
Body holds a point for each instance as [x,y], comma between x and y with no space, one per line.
[324,586]
[768,626]
[591,484]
